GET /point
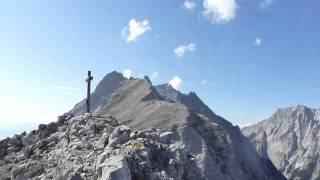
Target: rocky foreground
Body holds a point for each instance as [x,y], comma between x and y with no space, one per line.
[138,132]
[94,148]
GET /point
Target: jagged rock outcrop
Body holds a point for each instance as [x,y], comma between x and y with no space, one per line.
[291,139]
[191,101]
[137,133]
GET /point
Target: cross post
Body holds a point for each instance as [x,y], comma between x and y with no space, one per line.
[88,81]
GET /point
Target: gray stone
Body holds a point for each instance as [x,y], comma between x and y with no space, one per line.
[166,137]
[290,138]
[114,168]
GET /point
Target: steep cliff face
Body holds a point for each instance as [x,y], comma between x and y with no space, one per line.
[290,138]
[138,133]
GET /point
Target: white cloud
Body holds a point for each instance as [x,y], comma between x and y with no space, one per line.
[135,29]
[266,3]
[189,4]
[127,73]
[154,75]
[181,50]
[204,82]
[176,82]
[257,41]
[220,10]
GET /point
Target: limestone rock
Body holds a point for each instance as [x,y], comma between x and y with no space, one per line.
[135,132]
[291,139]
[114,168]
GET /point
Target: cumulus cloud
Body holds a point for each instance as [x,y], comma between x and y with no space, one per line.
[154,75]
[181,50]
[135,29]
[257,41]
[220,10]
[176,82]
[127,73]
[189,4]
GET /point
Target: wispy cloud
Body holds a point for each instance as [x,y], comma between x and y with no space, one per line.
[189,4]
[181,50]
[204,82]
[135,29]
[247,68]
[220,10]
[154,75]
[266,3]
[65,88]
[127,73]
[257,41]
[176,82]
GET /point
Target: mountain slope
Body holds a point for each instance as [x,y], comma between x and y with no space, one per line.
[190,100]
[290,138]
[164,139]
[219,148]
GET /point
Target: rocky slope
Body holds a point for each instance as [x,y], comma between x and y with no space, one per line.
[137,133]
[291,139]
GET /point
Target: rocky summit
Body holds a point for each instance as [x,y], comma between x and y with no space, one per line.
[291,139]
[136,131]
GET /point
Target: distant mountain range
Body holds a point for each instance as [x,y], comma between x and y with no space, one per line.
[139,131]
[290,138]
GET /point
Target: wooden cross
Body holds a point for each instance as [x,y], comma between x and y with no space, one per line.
[88,81]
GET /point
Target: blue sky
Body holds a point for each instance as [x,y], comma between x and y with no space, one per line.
[244,58]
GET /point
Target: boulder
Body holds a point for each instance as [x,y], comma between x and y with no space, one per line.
[119,136]
[166,137]
[101,143]
[115,168]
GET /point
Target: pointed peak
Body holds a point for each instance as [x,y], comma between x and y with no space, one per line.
[294,108]
[147,79]
[192,94]
[108,80]
[114,73]
[301,107]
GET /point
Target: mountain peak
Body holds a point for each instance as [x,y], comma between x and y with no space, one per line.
[294,113]
[287,137]
[166,139]
[111,78]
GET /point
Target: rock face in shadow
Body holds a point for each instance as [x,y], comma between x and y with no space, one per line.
[290,138]
[138,133]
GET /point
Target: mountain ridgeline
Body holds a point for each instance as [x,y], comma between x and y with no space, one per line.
[290,138]
[138,131]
